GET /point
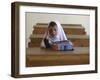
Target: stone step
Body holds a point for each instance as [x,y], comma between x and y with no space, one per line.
[47,57]
[68,30]
[77,40]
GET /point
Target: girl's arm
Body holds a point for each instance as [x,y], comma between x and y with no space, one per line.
[46,42]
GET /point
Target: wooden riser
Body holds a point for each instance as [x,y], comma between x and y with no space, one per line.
[60,60]
[71,25]
[76,43]
[35,42]
[77,40]
[74,31]
[52,58]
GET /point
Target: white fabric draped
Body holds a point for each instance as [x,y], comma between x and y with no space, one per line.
[59,37]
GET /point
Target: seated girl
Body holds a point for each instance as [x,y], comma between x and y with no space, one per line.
[54,34]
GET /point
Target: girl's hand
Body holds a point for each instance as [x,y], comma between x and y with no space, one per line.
[54,47]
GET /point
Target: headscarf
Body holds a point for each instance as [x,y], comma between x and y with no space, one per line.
[59,37]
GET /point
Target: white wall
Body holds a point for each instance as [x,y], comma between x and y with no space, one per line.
[33,18]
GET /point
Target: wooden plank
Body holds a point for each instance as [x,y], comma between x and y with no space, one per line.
[77,40]
[69,36]
[68,30]
[61,60]
[42,51]
[76,43]
[47,57]
[71,25]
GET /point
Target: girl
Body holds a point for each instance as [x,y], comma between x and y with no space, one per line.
[53,34]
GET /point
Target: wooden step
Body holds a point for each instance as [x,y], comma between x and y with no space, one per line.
[47,57]
[63,25]
[40,28]
[77,40]
[68,30]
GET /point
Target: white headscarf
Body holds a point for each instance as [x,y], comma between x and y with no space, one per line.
[59,37]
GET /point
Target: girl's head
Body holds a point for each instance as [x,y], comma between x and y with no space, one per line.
[54,33]
[52,29]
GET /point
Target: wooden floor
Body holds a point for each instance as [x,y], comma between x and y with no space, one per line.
[46,57]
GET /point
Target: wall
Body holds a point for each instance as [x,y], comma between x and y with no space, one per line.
[33,18]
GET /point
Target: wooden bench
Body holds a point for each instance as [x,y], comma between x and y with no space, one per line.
[40,28]
[47,57]
[77,40]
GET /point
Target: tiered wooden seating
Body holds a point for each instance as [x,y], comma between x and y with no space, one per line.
[75,32]
[77,40]
[46,57]
[40,28]
[35,56]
